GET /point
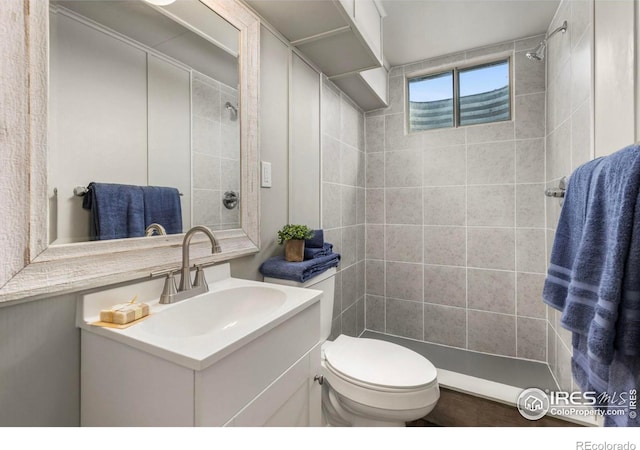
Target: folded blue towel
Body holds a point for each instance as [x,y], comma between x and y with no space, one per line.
[117,211]
[594,275]
[317,241]
[312,253]
[278,267]
[162,206]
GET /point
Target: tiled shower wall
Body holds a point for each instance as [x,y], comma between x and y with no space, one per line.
[343,203]
[569,138]
[215,152]
[455,219]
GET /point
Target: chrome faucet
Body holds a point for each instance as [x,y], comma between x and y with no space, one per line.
[186,289]
[185,273]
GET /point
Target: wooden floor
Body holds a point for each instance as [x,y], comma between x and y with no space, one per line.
[455,409]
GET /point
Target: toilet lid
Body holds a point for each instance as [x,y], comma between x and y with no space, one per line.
[379,363]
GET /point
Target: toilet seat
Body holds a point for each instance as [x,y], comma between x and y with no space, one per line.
[379,365]
[363,372]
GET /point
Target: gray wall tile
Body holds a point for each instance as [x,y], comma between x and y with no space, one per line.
[349,164]
[492,132]
[491,248]
[349,200]
[403,169]
[445,137]
[445,285]
[404,318]
[374,170]
[444,245]
[445,166]
[403,243]
[492,333]
[490,205]
[529,295]
[491,163]
[532,339]
[530,161]
[375,277]
[403,281]
[349,321]
[374,311]
[374,136]
[529,75]
[348,122]
[403,206]
[444,205]
[445,325]
[530,116]
[375,242]
[374,206]
[331,205]
[491,290]
[530,204]
[530,250]
[330,112]
[331,161]
[396,138]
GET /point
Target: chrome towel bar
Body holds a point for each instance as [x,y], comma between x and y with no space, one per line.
[559,191]
[80,191]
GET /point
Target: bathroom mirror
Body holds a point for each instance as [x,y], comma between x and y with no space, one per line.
[141,95]
[39,262]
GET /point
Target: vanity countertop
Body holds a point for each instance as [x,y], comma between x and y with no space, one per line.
[197,332]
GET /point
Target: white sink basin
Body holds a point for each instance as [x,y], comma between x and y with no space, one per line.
[199,331]
[214,312]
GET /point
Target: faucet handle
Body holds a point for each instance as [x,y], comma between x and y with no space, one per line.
[169,291]
[200,279]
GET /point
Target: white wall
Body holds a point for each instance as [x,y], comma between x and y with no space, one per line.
[304,151]
[615,75]
[274,142]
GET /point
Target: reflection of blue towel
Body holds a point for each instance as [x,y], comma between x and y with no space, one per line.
[278,267]
[594,275]
[317,241]
[311,253]
[117,211]
[162,205]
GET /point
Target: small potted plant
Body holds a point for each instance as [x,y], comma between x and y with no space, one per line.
[293,236]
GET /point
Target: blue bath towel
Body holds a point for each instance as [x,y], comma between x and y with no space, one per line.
[162,205]
[117,211]
[312,253]
[594,275]
[317,241]
[278,267]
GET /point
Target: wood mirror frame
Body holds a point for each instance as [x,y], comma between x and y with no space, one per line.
[30,269]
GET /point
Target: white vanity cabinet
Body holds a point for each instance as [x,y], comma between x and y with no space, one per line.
[269,381]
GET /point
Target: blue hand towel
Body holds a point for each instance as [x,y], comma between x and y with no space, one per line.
[117,211]
[312,253]
[162,205]
[317,241]
[594,275]
[278,267]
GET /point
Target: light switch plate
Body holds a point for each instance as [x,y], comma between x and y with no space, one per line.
[266,174]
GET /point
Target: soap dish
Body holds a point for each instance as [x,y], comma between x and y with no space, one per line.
[118,326]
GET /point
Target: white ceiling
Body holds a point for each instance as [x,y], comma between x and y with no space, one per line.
[419,29]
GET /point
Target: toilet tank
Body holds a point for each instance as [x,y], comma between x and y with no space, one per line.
[325,282]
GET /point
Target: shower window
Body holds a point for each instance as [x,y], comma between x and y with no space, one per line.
[460,96]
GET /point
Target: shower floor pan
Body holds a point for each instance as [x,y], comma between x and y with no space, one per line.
[496,378]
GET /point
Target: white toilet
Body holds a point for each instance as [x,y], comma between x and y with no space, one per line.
[368,382]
